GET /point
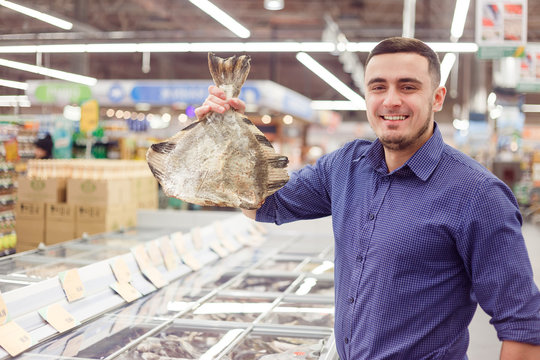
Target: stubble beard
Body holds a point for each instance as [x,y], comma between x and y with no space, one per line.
[402,142]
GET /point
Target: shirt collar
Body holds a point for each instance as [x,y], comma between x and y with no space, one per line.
[422,163]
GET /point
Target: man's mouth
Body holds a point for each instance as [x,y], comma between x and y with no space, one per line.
[394,117]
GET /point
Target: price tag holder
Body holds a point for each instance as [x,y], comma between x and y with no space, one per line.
[121,271]
[155,277]
[241,239]
[154,253]
[72,284]
[58,317]
[191,261]
[14,339]
[141,256]
[126,291]
[215,245]
[168,255]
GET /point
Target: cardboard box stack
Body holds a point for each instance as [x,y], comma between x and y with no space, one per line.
[60,200]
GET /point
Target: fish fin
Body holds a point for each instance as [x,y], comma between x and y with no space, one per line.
[230,71]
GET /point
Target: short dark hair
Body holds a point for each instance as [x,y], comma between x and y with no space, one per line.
[403,45]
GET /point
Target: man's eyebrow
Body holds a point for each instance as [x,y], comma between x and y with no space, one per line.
[376,80]
[409,80]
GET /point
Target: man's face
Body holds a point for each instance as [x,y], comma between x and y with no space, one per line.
[401,100]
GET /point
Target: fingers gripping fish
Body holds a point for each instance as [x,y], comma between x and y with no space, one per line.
[223,159]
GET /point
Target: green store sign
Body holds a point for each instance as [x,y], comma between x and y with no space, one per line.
[499,52]
[62,92]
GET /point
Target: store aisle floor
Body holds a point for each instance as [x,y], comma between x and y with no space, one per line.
[484,344]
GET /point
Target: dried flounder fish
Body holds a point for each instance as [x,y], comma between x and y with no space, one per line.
[223,159]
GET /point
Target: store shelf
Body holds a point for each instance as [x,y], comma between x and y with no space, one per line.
[263,295]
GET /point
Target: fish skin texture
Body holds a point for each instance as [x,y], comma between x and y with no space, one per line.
[223,159]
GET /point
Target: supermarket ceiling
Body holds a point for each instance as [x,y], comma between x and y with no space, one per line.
[167,21]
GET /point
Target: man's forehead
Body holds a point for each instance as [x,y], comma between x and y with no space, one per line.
[397,65]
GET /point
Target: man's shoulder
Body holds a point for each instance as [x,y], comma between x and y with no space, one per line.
[461,163]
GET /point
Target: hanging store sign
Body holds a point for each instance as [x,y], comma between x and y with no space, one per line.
[529,75]
[257,93]
[501,28]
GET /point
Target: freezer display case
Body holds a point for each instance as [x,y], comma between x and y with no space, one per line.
[249,292]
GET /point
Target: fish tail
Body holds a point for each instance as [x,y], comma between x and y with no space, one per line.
[231,71]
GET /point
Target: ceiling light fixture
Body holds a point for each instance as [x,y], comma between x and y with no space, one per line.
[285,46]
[530,108]
[66,25]
[330,79]
[90,81]
[13,84]
[446,66]
[273,4]
[458,22]
[222,17]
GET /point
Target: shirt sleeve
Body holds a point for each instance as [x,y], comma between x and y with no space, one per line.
[305,196]
[495,256]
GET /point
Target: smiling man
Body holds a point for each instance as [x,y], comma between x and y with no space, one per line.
[423,233]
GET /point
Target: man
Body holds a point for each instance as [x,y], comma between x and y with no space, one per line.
[422,232]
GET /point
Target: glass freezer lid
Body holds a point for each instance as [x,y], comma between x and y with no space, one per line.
[50,270]
[18,264]
[258,283]
[60,252]
[293,314]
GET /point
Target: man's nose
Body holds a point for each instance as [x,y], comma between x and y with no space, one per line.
[392,98]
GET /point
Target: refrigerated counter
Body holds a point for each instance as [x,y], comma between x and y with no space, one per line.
[214,287]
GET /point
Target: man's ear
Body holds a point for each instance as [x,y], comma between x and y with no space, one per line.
[438,98]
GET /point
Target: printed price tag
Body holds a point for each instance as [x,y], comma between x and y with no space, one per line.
[196,238]
[3,311]
[126,291]
[141,256]
[121,271]
[58,317]
[168,254]
[154,276]
[154,253]
[218,249]
[191,261]
[242,239]
[72,284]
[260,227]
[14,339]
[178,240]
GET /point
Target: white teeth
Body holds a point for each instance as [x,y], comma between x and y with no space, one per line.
[397,117]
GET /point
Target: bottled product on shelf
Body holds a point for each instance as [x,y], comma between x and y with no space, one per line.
[8,237]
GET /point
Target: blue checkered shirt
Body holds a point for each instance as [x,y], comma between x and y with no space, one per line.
[416,250]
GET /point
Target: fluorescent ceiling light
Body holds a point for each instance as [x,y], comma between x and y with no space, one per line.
[66,25]
[13,84]
[285,46]
[458,22]
[530,108]
[330,79]
[454,47]
[273,4]
[49,72]
[446,66]
[14,101]
[222,17]
[335,105]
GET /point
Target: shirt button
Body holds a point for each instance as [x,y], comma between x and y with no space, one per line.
[346,340]
[371,216]
[351,300]
[359,258]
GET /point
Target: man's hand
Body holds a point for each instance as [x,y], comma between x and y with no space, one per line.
[512,350]
[217,102]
